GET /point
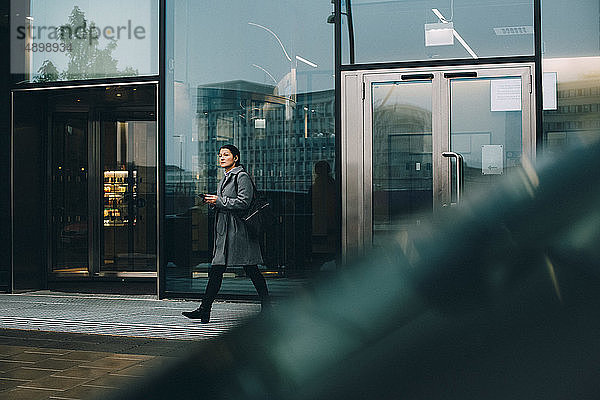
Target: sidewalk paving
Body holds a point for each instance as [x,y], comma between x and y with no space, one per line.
[32,373]
[64,346]
[120,315]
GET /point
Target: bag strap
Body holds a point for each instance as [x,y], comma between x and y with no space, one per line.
[235,182]
[255,194]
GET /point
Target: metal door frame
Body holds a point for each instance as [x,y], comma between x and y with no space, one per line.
[93,154]
[357,137]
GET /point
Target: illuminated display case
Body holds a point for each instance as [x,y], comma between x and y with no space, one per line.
[119,190]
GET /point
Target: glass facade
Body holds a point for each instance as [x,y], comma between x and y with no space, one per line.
[254,76]
[73,40]
[400,30]
[259,75]
[5,216]
[28,193]
[571,62]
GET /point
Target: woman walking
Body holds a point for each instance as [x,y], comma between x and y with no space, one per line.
[233,246]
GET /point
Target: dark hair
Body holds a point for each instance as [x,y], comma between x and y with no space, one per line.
[234,151]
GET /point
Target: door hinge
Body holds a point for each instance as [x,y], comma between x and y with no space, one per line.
[363,90]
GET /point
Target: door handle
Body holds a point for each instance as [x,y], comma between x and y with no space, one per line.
[417,77]
[450,75]
[459,173]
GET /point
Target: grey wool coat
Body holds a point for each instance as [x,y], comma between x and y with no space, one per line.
[233,245]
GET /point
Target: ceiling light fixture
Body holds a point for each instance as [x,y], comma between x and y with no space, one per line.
[439,34]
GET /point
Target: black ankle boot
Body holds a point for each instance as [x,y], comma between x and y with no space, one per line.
[201,313]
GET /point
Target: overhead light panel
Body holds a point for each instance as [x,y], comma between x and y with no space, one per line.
[514,30]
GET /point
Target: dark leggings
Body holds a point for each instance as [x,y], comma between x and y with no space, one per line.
[215,278]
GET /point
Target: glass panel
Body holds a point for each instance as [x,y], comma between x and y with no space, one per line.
[5,172]
[268,88]
[402,156]
[571,74]
[486,129]
[83,39]
[70,194]
[406,30]
[129,187]
[30,214]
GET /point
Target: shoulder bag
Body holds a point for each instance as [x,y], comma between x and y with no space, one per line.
[259,216]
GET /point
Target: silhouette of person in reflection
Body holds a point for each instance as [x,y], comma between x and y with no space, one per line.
[324,221]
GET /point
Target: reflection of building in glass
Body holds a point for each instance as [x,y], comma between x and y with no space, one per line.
[403,173]
[278,151]
[576,119]
[280,140]
[180,187]
[402,146]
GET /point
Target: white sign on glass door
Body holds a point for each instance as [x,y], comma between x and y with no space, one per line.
[506,94]
[492,159]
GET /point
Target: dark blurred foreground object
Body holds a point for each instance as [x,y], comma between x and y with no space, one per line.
[497,300]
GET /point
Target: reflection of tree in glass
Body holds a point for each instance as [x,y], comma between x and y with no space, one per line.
[48,72]
[86,59]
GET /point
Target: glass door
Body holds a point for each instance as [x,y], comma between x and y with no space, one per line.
[102,198]
[128,186]
[402,154]
[432,137]
[69,205]
[489,131]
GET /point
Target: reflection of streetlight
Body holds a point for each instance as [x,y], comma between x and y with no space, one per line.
[297,57]
[180,137]
[266,72]
[276,37]
[305,61]
[348,14]
[305,122]
[287,86]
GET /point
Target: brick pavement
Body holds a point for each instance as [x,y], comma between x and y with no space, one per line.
[81,347]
